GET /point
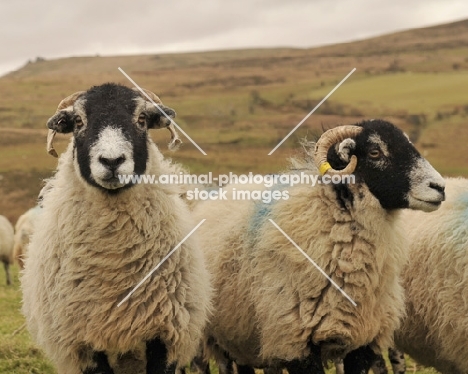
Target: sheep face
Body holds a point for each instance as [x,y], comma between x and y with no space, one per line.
[389,164]
[110,128]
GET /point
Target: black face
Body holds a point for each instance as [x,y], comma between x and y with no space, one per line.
[110,106]
[110,124]
[386,159]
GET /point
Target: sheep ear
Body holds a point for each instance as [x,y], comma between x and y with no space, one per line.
[157,120]
[345,149]
[63,121]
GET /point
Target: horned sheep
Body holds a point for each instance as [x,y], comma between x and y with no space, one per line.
[434,331]
[272,308]
[99,236]
[6,246]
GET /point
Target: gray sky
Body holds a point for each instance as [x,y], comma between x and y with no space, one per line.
[51,28]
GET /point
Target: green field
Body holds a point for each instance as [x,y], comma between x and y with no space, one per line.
[237,105]
[18,354]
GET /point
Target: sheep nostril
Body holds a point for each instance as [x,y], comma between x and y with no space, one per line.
[112,163]
[437,187]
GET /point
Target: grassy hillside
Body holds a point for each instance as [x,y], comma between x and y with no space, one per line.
[237,105]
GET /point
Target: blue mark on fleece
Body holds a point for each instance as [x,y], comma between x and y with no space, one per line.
[463,202]
[459,235]
[262,212]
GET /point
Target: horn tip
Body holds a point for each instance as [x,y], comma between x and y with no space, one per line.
[174,144]
[52,152]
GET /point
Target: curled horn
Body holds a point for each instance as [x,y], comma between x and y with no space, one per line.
[175,140]
[50,143]
[329,138]
[65,103]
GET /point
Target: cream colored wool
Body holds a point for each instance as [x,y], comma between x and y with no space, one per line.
[269,299]
[6,241]
[435,331]
[23,230]
[88,252]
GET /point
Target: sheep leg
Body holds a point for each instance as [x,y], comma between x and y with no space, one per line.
[6,265]
[339,369]
[225,364]
[379,366]
[312,364]
[200,365]
[245,369]
[360,360]
[103,367]
[156,358]
[272,370]
[397,359]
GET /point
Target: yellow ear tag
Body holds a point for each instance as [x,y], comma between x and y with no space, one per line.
[324,168]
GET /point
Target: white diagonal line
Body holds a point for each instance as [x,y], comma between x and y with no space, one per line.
[162,111]
[312,111]
[313,263]
[160,263]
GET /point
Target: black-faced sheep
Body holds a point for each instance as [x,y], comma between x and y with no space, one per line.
[435,329]
[271,306]
[99,236]
[6,246]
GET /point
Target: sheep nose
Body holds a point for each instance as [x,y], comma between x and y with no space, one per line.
[439,188]
[112,163]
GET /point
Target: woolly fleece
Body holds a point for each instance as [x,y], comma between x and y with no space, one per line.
[436,282]
[6,243]
[270,301]
[23,230]
[90,249]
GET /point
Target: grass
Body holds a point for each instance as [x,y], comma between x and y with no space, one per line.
[18,354]
[412,92]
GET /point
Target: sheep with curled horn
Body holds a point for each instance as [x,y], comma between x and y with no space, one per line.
[97,238]
[272,308]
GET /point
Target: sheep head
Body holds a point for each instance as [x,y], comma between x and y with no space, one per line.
[63,120]
[110,132]
[382,157]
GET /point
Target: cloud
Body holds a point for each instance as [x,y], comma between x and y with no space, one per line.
[54,28]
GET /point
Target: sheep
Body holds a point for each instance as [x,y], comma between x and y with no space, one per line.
[434,331]
[25,226]
[99,236]
[6,246]
[271,306]
[23,230]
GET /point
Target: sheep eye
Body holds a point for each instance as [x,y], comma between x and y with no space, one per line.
[375,153]
[142,119]
[78,121]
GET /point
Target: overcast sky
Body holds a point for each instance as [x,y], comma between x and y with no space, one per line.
[51,28]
